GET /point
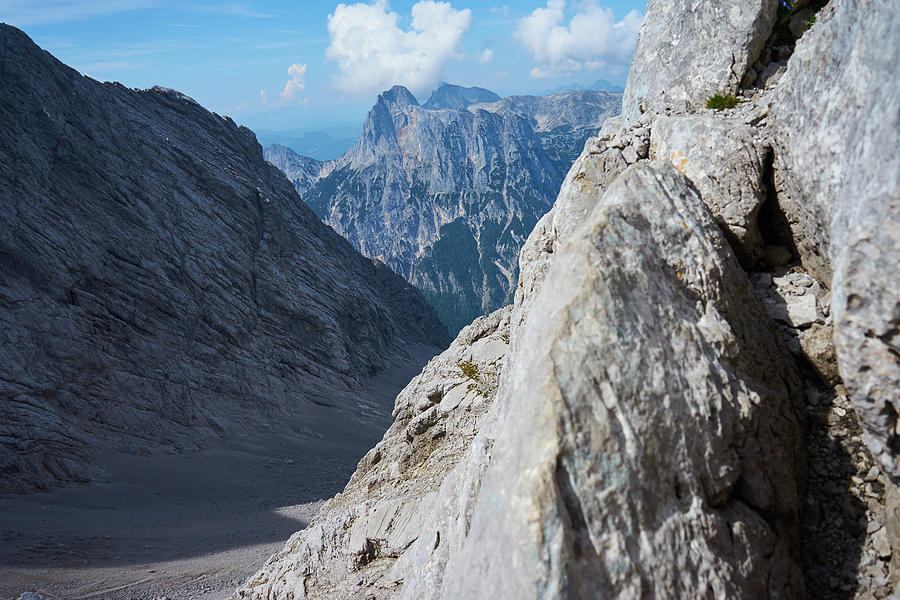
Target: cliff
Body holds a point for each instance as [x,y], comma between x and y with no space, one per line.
[446,193]
[161,283]
[703,337]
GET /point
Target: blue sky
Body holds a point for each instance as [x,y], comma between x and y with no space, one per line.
[307,65]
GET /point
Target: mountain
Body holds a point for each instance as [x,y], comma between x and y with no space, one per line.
[665,412]
[160,283]
[454,96]
[303,171]
[562,120]
[601,85]
[446,196]
[320,145]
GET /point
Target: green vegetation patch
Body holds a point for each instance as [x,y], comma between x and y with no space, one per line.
[469,369]
[722,101]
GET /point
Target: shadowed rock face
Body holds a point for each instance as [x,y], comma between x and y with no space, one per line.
[446,193]
[158,277]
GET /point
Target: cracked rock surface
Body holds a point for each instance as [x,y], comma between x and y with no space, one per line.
[667,424]
[834,109]
[160,282]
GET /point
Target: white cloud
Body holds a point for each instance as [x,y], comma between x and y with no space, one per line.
[503,11]
[296,83]
[486,56]
[591,40]
[290,96]
[22,13]
[373,52]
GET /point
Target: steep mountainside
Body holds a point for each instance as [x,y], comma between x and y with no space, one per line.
[160,282]
[699,394]
[447,196]
[455,96]
[562,120]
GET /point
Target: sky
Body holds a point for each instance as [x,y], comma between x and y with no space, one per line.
[310,65]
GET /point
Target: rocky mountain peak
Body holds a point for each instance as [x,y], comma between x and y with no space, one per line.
[399,96]
[446,196]
[448,95]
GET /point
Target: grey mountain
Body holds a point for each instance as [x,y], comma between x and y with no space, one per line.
[448,95]
[161,282]
[600,85]
[447,196]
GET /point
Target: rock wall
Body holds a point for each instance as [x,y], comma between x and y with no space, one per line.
[835,112]
[672,419]
[689,50]
[160,282]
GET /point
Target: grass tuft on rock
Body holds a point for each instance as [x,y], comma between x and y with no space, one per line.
[721,101]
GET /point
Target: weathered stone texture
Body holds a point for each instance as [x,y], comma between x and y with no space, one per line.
[725,159]
[689,50]
[836,114]
[406,506]
[648,335]
[160,282]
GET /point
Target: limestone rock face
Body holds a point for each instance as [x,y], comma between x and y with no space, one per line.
[651,429]
[646,337]
[446,193]
[406,505]
[159,281]
[690,49]
[835,111]
[583,187]
[725,159]
[303,171]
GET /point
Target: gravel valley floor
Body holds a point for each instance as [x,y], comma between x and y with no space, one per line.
[186,525]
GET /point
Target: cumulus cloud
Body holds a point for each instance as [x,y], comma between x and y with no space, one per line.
[296,83]
[486,56]
[293,87]
[592,39]
[373,52]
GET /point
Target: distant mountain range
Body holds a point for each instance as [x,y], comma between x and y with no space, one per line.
[446,192]
[601,85]
[321,145]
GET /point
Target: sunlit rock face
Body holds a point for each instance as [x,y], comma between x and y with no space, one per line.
[445,193]
[702,339]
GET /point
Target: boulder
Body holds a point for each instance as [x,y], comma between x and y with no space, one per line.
[725,159]
[689,50]
[649,439]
